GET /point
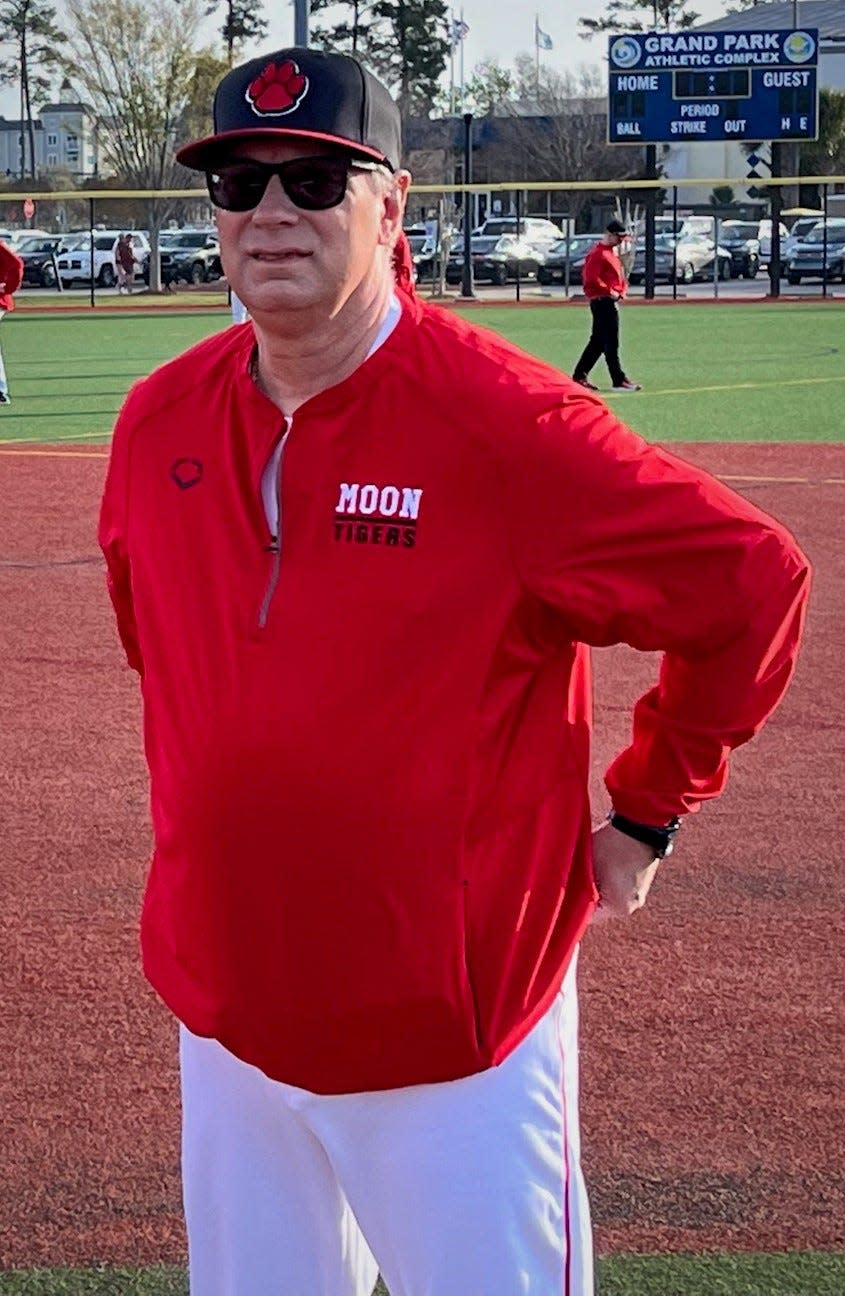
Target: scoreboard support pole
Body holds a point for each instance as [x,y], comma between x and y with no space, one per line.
[776,205]
[650,204]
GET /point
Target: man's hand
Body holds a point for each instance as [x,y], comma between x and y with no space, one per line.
[624,869]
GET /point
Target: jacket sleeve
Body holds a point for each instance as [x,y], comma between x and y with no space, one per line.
[113,538]
[11,269]
[630,544]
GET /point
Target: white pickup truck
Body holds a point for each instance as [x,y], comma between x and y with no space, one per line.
[75,261]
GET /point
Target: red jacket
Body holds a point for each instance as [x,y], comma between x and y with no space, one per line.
[602,274]
[11,273]
[369,753]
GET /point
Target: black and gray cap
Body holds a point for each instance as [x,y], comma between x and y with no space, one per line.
[302,94]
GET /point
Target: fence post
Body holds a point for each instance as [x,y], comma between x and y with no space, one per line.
[775,206]
[91,248]
[650,203]
[466,276]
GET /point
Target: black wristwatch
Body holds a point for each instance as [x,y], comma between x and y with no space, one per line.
[661,840]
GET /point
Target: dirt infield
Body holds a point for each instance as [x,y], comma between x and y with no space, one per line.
[712,1115]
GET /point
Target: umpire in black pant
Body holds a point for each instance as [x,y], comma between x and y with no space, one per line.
[604,283]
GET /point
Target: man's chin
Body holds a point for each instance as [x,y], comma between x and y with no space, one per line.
[278,295]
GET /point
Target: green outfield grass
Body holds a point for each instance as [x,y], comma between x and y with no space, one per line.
[788,1274]
[757,372]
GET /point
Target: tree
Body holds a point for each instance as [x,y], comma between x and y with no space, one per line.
[489,88]
[722,196]
[349,36]
[242,24]
[30,26]
[825,155]
[405,42]
[645,15]
[556,129]
[137,62]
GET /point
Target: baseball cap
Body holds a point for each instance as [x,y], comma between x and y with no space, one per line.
[616,227]
[303,94]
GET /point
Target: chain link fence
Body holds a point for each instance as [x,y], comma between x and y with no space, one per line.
[505,241]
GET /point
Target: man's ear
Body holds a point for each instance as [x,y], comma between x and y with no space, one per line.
[393,210]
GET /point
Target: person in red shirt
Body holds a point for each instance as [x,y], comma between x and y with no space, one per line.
[357,548]
[11,278]
[604,283]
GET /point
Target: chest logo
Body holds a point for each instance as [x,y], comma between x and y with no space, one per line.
[186,473]
[382,515]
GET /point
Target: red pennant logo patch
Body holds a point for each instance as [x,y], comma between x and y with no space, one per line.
[278,89]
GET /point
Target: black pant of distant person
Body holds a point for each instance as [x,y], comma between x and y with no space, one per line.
[604,341]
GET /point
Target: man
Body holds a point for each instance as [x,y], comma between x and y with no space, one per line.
[356,548]
[11,278]
[124,257]
[604,284]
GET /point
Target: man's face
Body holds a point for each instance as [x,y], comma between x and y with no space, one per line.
[280,257]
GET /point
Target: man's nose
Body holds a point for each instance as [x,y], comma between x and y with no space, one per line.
[275,204]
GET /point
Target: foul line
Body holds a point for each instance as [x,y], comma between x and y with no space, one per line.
[749,386]
[54,454]
[725,477]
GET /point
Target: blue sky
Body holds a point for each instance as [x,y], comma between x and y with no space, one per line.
[497,29]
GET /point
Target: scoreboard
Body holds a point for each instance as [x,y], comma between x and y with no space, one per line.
[665,87]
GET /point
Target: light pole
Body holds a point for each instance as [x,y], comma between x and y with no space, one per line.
[466,277]
[300,23]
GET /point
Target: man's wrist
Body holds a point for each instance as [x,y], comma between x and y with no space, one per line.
[660,837]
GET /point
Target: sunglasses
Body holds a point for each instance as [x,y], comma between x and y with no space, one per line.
[312,184]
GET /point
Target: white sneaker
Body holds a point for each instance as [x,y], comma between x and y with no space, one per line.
[627,385]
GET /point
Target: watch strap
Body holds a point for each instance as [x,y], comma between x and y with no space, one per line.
[661,839]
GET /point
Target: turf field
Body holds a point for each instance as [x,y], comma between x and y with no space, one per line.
[753,1194]
[711,373]
[717,1275]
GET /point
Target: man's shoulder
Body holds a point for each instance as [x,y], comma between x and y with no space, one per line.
[479,368]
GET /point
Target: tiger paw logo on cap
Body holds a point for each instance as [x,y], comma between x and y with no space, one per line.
[278,88]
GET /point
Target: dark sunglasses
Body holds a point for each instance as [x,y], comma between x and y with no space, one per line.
[313,184]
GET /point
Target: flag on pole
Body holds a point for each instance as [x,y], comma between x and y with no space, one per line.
[459,31]
[542,39]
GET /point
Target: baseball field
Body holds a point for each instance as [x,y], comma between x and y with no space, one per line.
[713,1023]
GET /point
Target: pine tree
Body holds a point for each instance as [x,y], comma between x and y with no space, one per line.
[30,26]
[405,42]
[638,16]
[242,24]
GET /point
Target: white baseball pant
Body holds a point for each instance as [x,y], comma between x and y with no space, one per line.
[467,1188]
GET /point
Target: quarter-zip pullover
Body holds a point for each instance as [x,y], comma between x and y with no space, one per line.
[372,831]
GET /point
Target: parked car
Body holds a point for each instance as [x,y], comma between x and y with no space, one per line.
[821,255]
[494,259]
[192,256]
[534,229]
[668,224]
[38,253]
[764,234]
[665,265]
[572,250]
[694,257]
[75,260]
[798,231]
[740,238]
[425,255]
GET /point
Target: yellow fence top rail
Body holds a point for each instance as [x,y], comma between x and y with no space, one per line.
[499,186]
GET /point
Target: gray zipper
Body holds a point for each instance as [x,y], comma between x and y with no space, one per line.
[275,548]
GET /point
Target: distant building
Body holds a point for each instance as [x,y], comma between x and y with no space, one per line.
[65,140]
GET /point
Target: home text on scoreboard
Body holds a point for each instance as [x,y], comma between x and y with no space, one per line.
[665,87]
